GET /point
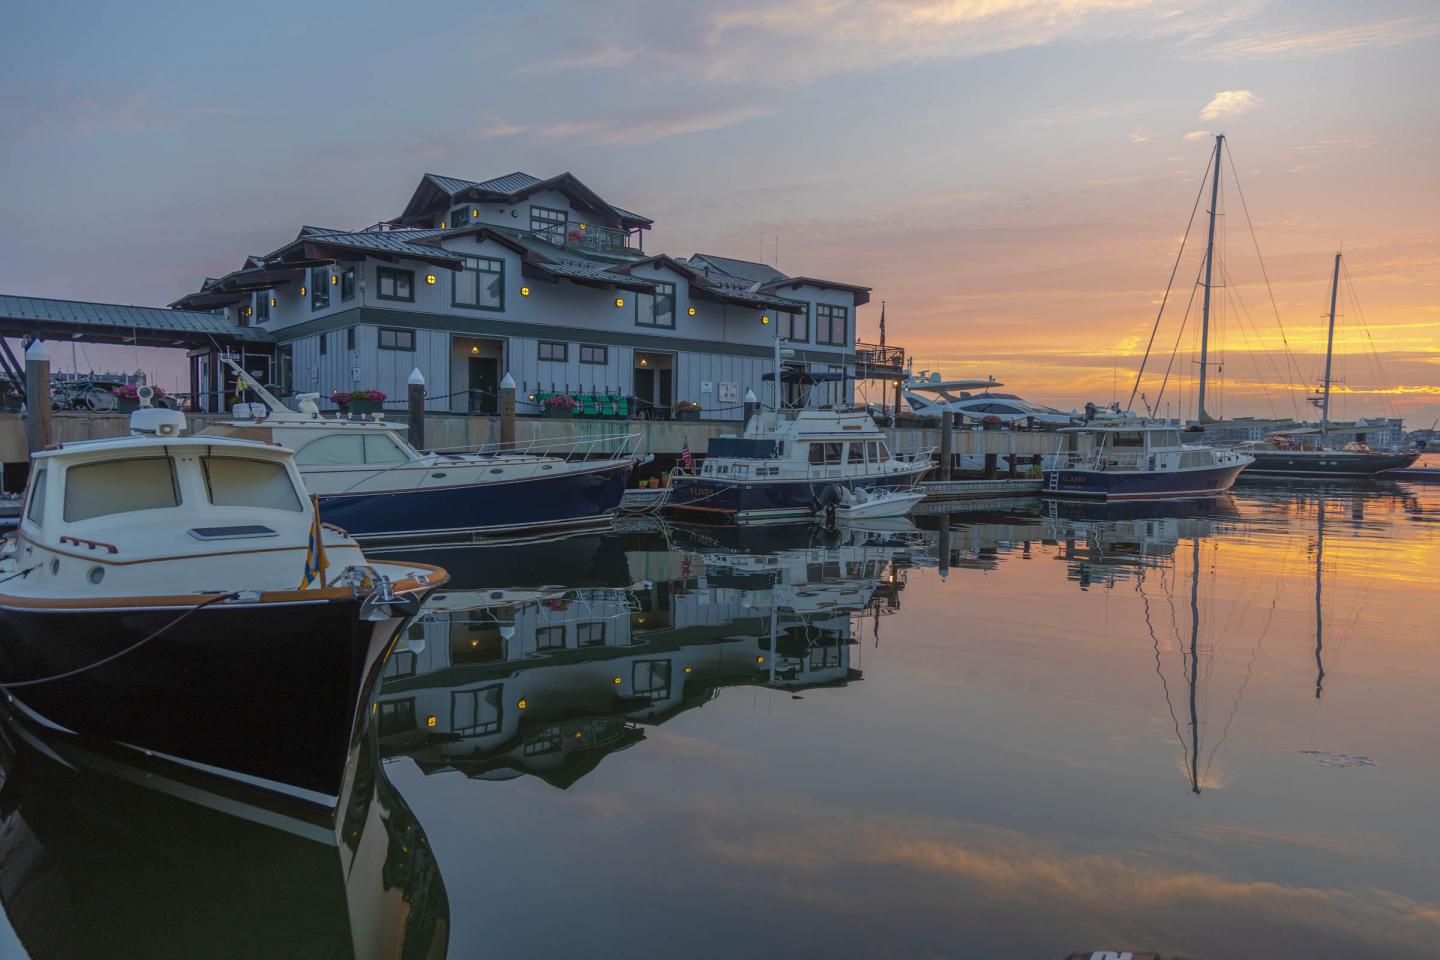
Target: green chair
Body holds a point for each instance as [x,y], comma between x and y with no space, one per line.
[622,406]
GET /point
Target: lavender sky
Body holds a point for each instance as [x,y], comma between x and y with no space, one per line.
[1011,177]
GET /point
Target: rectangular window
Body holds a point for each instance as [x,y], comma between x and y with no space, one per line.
[319,288]
[480,284]
[395,284]
[872,451]
[324,343]
[349,338]
[460,216]
[796,326]
[651,679]
[120,486]
[549,223]
[831,324]
[397,339]
[550,638]
[262,306]
[826,452]
[347,283]
[558,352]
[590,634]
[36,511]
[475,711]
[236,482]
[662,312]
[589,354]
[397,716]
[857,453]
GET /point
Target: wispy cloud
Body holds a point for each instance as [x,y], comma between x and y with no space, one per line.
[1140,136]
[1354,142]
[1195,135]
[604,56]
[1085,114]
[1303,41]
[1229,103]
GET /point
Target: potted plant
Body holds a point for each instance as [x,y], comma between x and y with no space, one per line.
[358,403]
[687,410]
[11,398]
[559,407]
[127,397]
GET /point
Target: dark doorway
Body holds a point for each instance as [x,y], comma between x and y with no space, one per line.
[644,388]
[484,385]
[666,398]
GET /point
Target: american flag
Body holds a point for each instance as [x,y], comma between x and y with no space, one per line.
[685,460]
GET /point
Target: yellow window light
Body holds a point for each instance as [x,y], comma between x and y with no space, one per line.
[619,301]
[430,279]
[691,311]
[524,291]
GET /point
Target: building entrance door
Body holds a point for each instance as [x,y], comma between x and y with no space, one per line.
[484,385]
[654,384]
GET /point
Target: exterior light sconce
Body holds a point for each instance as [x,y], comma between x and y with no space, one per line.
[474,213]
[474,349]
[689,669]
[524,291]
[430,279]
[615,680]
[765,318]
[521,703]
[759,659]
[302,291]
[619,301]
[272,301]
[644,362]
[442,224]
[430,720]
[691,311]
[582,226]
[334,279]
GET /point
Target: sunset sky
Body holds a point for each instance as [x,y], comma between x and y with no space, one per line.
[1012,177]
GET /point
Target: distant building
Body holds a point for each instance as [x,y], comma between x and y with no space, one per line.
[540,278]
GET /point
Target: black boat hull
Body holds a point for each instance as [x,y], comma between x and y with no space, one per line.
[263,691]
[1335,465]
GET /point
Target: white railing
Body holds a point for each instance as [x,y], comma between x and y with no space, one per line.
[625,445]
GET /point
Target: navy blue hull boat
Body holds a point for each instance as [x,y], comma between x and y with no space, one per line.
[1139,460]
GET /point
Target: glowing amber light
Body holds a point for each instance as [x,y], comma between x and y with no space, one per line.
[765,319]
[430,279]
[691,311]
[689,669]
[619,301]
[474,213]
[430,720]
[615,680]
[524,291]
[759,659]
[302,291]
[272,301]
[521,703]
[334,279]
[442,224]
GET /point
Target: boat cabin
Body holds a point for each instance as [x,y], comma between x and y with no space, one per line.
[814,444]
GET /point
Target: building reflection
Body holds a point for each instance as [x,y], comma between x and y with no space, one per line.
[498,686]
[104,856]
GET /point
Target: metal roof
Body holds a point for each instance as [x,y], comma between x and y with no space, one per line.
[510,183]
[747,270]
[109,322]
[399,241]
[451,185]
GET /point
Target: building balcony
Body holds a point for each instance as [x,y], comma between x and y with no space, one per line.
[587,236]
[878,360]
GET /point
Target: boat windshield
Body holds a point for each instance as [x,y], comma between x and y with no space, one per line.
[120,486]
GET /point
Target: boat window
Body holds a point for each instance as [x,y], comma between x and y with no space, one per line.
[1164,438]
[1127,438]
[35,513]
[345,448]
[651,679]
[382,448]
[834,452]
[817,453]
[857,453]
[474,712]
[120,486]
[872,451]
[884,450]
[237,482]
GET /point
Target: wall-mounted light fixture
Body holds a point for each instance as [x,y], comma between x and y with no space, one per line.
[442,224]
[644,362]
[524,291]
[474,213]
[691,311]
[302,291]
[619,301]
[272,301]
[334,279]
[582,226]
[474,349]
[765,318]
[430,279]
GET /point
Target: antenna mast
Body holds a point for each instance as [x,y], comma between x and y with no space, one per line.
[1329,353]
[1200,413]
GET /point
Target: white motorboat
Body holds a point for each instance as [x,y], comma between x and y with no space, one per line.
[179,595]
[864,503]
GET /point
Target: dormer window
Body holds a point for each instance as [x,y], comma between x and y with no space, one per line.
[551,224]
[662,312]
[460,217]
[262,306]
[319,288]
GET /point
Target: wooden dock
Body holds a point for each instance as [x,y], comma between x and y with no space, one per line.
[978,489]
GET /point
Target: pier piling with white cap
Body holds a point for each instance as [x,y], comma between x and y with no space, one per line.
[416,397]
[507,410]
[38,422]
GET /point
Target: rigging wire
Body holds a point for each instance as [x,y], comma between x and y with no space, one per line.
[1175,349]
[1241,317]
[1365,328]
[1165,299]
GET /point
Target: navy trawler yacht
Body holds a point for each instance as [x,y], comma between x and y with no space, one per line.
[180,596]
[1142,459]
[377,486]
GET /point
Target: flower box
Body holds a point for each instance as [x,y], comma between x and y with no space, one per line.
[687,415]
[558,413]
[361,408]
[125,404]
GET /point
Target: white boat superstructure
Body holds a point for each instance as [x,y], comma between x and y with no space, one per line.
[930,396]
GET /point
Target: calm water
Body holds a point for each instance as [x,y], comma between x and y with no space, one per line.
[1208,729]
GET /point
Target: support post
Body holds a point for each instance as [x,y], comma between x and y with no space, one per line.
[417,408]
[38,422]
[507,410]
[947,459]
[992,465]
[896,420]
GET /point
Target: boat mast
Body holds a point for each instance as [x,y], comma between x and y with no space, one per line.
[1329,352]
[1209,263]
[1194,677]
[1319,613]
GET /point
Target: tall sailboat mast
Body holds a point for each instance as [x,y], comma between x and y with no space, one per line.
[1329,352]
[1201,415]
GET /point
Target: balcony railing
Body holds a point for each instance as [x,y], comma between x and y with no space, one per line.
[876,356]
[585,236]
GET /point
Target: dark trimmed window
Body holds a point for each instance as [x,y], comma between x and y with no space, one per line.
[550,638]
[549,223]
[396,716]
[590,634]
[347,284]
[395,284]
[662,313]
[832,325]
[391,339]
[262,306]
[480,284]
[475,712]
[324,343]
[650,679]
[460,216]
[597,355]
[558,352]
[796,326]
[349,338]
[319,288]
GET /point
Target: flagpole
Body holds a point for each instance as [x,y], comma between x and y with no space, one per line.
[321,562]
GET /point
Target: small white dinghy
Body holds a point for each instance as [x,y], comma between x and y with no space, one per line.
[869,504]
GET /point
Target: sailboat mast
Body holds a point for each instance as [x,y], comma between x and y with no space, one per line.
[1209,264]
[1194,666]
[1329,351]
[1319,612]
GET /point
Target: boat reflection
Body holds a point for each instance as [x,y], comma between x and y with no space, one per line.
[551,683]
[100,857]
